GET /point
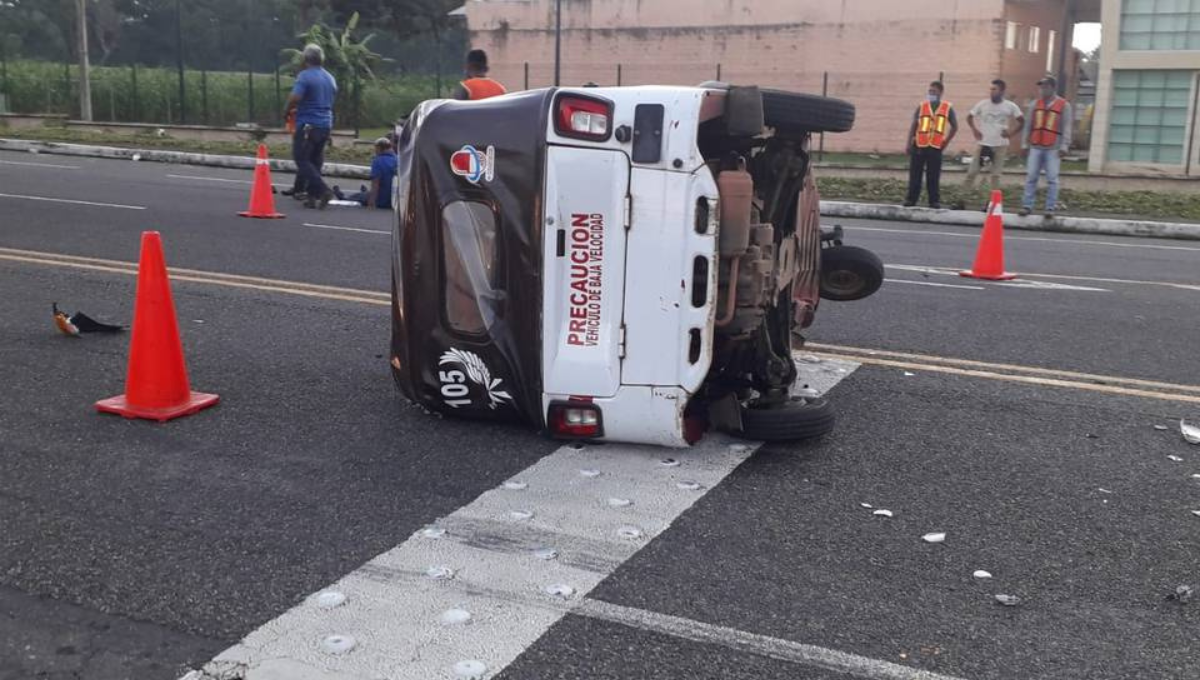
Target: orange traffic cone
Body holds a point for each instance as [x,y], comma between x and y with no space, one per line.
[262,201]
[989,259]
[156,386]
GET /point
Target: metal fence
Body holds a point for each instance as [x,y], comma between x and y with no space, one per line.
[135,94]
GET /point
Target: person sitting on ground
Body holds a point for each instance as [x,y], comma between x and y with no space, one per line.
[477,85]
[383,175]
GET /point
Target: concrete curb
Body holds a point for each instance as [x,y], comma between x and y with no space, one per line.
[974,218]
[179,157]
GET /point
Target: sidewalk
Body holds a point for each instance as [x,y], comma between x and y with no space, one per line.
[180,157]
[1035,222]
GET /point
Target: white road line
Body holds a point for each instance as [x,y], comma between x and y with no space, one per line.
[478,587]
[1008,237]
[74,202]
[762,645]
[932,283]
[338,228]
[220,179]
[41,165]
[948,271]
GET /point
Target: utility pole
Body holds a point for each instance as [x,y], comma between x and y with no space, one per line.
[557,42]
[179,61]
[85,77]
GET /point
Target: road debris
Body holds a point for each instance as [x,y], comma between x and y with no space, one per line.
[935,537]
[1103,490]
[866,505]
[883,513]
[1175,458]
[909,374]
[1161,428]
[1191,433]
[1182,593]
[979,573]
[1008,600]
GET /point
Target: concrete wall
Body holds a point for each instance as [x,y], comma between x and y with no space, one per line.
[1113,58]
[880,54]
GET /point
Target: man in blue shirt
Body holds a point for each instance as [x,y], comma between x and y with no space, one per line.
[383,176]
[312,99]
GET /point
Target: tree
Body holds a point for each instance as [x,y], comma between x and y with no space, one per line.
[406,19]
[345,58]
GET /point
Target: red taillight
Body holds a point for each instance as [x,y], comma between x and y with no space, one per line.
[575,420]
[583,117]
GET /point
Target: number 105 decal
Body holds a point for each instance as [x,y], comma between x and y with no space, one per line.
[456,390]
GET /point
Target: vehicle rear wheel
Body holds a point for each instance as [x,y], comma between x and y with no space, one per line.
[849,273]
[796,419]
[806,112]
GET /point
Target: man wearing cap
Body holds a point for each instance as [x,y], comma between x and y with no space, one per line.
[1046,139]
[477,85]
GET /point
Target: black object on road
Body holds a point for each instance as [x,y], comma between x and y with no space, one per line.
[79,322]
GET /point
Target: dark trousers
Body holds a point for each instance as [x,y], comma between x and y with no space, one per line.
[308,150]
[926,161]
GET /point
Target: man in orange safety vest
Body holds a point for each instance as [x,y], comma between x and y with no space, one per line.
[933,128]
[477,85]
[1046,140]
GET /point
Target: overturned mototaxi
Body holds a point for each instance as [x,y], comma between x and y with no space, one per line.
[628,264]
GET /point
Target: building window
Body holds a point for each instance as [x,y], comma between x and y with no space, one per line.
[1035,38]
[1160,25]
[1051,39]
[1149,116]
[1011,31]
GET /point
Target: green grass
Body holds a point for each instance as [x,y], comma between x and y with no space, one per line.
[213,98]
[1171,206]
[899,160]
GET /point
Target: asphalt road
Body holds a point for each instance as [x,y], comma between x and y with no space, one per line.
[131,550]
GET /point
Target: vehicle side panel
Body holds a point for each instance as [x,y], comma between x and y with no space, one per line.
[493,373]
[584,252]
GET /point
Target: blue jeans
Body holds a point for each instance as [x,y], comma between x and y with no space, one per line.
[308,150]
[1039,160]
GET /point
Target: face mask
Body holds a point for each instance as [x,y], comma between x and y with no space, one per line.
[998,98]
[934,98]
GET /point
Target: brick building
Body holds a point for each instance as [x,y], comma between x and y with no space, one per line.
[879,54]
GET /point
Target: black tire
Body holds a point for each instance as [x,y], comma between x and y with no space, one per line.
[794,111]
[849,273]
[795,420]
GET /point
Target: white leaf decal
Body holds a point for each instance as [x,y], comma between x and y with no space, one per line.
[479,374]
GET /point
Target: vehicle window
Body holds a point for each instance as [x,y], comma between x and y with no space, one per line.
[470,265]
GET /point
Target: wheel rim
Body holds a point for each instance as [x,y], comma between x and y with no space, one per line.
[843,282]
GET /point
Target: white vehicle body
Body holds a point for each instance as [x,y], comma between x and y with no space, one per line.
[619,318]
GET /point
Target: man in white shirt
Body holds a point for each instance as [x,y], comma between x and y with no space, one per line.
[993,121]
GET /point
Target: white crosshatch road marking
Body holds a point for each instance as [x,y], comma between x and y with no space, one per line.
[466,595]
